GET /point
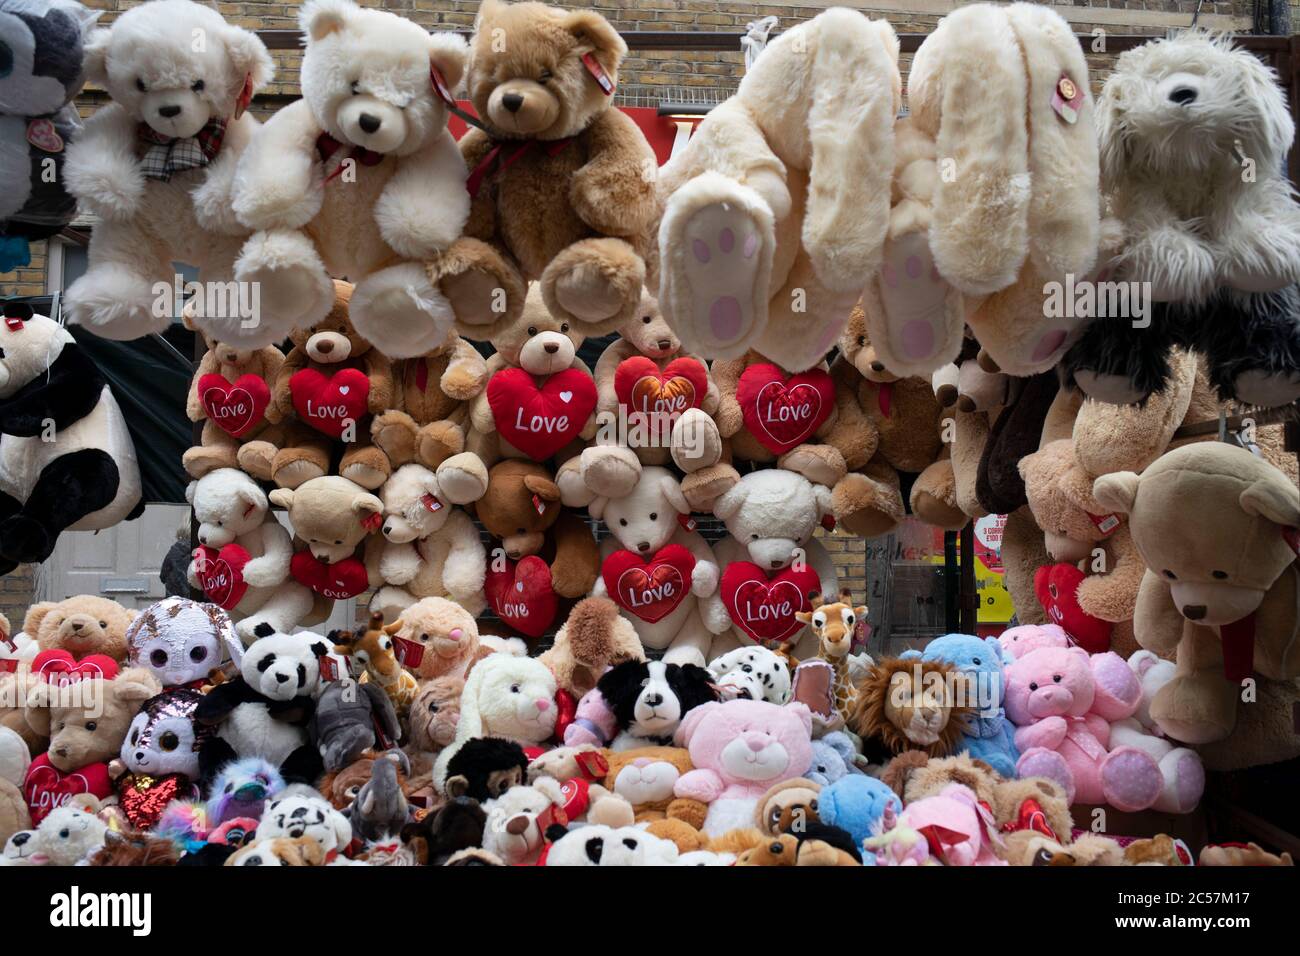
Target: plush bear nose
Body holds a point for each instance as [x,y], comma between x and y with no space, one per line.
[169,111]
[281,678]
[877,366]
[1183,96]
[643,546]
[517,826]
[326,347]
[368,122]
[139,755]
[512,102]
[550,348]
[665,343]
[77,626]
[1194,612]
[755,742]
[20,838]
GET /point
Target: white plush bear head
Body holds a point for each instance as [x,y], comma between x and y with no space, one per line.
[284,666]
[66,836]
[511,697]
[644,520]
[517,820]
[773,513]
[27,349]
[414,504]
[227,504]
[175,65]
[599,845]
[367,76]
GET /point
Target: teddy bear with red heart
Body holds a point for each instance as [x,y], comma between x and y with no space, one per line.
[325,393]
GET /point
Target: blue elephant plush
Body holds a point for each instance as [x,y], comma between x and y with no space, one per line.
[857,803]
[988,734]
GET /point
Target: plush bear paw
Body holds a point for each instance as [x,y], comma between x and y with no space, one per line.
[919,329]
[462,478]
[574,492]
[1041,762]
[438,441]
[820,464]
[1197,708]
[866,507]
[201,459]
[399,312]
[293,288]
[685,655]
[1267,389]
[291,469]
[1130,779]
[25,540]
[394,432]
[695,442]
[611,471]
[703,487]
[256,458]
[368,467]
[116,303]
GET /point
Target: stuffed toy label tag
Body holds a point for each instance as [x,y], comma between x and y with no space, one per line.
[338,582]
[47,788]
[539,420]
[431,503]
[9,665]
[539,504]
[42,134]
[643,389]
[1105,524]
[598,73]
[221,574]
[58,667]
[687,522]
[328,403]
[521,595]
[764,608]
[651,589]
[592,763]
[409,653]
[234,407]
[784,411]
[1067,99]
[1056,586]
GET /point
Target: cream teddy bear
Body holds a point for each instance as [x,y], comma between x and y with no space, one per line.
[428,548]
[359,178]
[157,164]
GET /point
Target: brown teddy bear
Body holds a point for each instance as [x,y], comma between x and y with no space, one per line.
[82,625]
[15,758]
[785,849]
[437,638]
[545,553]
[665,397]
[1231,580]
[86,730]
[562,185]
[593,638]
[330,384]
[540,400]
[231,395]
[432,721]
[885,426]
[331,517]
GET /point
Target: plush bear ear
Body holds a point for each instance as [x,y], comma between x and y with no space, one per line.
[190,489]
[1273,498]
[282,497]
[135,684]
[252,497]
[486,11]
[1117,491]
[671,489]
[594,34]
[801,711]
[730,503]
[366,505]
[822,495]
[320,18]
[35,614]
[549,788]
[543,488]
[94,63]
[249,58]
[597,507]
[449,53]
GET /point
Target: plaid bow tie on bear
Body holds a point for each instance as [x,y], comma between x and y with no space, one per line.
[165,155]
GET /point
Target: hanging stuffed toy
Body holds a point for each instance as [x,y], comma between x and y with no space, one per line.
[42,72]
[66,459]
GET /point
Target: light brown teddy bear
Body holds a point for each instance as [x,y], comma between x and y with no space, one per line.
[280,851]
[562,185]
[82,625]
[330,384]
[331,517]
[1232,579]
[447,634]
[15,758]
[231,395]
[593,638]
[432,722]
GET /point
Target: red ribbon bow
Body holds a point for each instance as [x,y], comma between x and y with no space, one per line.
[327,146]
[500,158]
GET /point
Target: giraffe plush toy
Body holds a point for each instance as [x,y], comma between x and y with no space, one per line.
[374,651]
[834,626]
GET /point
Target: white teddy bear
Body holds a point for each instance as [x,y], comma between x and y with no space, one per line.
[428,548]
[66,837]
[771,516]
[517,820]
[359,178]
[156,164]
[644,569]
[234,521]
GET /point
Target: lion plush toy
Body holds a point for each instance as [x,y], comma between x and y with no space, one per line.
[561,185]
[156,165]
[909,705]
[775,211]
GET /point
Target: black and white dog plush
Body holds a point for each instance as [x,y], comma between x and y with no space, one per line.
[650,698]
[264,712]
[41,54]
[66,458]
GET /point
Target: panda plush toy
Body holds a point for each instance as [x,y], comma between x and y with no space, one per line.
[40,72]
[264,712]
[66,457]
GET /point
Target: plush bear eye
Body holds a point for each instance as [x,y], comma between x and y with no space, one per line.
[532,330]
[521,531]
[169,741]
[356,87]
[1169,574]
[433,708]
[1056,678]
[198,653]
[91,725]
[424,638]
[622,522]
[197,86]
[976,661]
[544,76]
[753,537]
[139,85]
[135,735]
[564,327]
[64,834]
[514,688]
[862,341]
[1033,686]
[646,319]
[1219,574]
[158,658]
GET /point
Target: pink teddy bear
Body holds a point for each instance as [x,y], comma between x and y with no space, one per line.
[740,748]
[959,831]
[1063,702]
[1019,641]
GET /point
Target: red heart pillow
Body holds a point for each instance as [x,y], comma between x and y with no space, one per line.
[783,411]
[521,594]
[338,582]
[235,407]
[763,607]
[540,420]
[1057,588]
[57,666]
[329,402]
[221,574]
[643,389]
[47,788]
[649,589]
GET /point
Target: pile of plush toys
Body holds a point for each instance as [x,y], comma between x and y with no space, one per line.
[651,697]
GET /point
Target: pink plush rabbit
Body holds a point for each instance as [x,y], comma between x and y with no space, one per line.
[959,831]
